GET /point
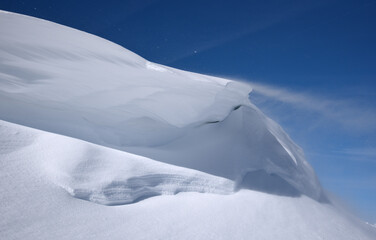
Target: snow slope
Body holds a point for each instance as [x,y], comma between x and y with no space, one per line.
[115,129]
[38,168]
[65,81]
[99,174]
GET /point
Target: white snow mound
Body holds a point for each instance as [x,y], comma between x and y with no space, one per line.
[65,81]
[99,174]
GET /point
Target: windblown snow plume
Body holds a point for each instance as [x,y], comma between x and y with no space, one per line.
[83,116]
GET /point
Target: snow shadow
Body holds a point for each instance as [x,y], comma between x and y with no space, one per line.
[136,189]
[260,180]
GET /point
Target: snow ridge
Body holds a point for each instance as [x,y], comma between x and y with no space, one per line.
[78,85]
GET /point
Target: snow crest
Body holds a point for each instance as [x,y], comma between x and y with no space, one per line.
[68,82]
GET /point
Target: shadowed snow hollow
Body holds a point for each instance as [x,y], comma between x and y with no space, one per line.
[65,81]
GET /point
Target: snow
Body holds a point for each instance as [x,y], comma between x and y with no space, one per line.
[87,124]
[78,85]
[155,67]
[38,168]
[102,175]
[373,225]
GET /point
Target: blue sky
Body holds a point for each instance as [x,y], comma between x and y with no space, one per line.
[312,63]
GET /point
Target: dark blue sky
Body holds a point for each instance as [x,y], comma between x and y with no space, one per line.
[315,62]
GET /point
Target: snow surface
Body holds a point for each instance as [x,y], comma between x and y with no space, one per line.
[38,168]
[116,129]
[65,81]
[99,174]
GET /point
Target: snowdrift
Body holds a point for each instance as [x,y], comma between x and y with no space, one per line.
[101,175]
[39,168]
[68,82]
[85,119]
